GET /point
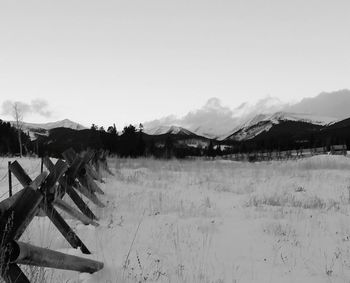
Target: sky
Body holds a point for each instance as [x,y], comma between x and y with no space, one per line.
[132,61]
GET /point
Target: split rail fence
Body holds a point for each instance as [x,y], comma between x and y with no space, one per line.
[288,154]
[42,196]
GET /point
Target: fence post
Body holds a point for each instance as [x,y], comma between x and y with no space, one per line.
[19,210]
[42,165]
[10,179]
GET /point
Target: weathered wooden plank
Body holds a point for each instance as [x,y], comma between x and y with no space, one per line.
[38,180]
[46,189]
[10,179]
[93,173]
[73,212]
[51,167]
[88,156]
[59,169]
[8,203]
[83,189]
[66,181]
[23,177]
[16,219]
[64,228]
[20,174]
[48,163]
[79,202]
[69,155]
[92,185]
[37,256]
[86,188]
[76,168]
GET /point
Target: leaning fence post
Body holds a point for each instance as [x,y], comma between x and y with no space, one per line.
[42,165]
[10,179]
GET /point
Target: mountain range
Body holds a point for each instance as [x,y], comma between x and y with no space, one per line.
[219,122]
[267,120]
[35,129]
[263,123]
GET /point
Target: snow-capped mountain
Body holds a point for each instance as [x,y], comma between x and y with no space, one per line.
[302,117]
[263,123]
[216,121]
[173,130]
[36,129]
[66,123]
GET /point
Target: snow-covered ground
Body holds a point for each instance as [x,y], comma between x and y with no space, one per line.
[211,221]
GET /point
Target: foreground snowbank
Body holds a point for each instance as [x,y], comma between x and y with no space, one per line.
[210,221]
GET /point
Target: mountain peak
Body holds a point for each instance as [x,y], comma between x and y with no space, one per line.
[215,120]
[65,123]
[172,130]
[264,123]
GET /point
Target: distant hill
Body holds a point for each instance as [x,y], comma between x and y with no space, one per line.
[59,139]
[262,124]
[179,141]
[337,133]
[37,129]
[286,135]
[173,130]
[66,123]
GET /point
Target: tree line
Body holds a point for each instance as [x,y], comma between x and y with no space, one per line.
[130,142]
[10,142]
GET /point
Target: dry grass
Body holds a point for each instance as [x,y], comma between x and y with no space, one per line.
[219,221]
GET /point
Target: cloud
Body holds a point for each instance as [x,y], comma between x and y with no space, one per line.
[40,106]
[211,119]
[36,106]
[214,119]
[331,104]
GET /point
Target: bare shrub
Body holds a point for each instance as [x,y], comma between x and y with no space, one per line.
[291,200]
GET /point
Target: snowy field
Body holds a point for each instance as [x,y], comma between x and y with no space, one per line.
[210,221]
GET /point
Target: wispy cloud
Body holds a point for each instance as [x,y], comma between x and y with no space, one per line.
[36,106]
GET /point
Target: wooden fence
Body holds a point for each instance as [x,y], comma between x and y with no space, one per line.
[288,154]
[42,196]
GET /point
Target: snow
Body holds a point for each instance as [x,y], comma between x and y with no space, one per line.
[174,130]
[42,129]
[211,221]
[263,123]
[252,131]
[66,123]
[302,117]
[214,120]
[243,129]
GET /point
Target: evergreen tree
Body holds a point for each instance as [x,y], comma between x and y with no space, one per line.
[112,130]
[210,149]
[169,147]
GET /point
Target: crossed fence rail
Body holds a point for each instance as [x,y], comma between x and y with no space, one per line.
[42,196]
[288,154]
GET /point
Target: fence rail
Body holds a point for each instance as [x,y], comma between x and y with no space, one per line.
[288,154]
[42,196]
